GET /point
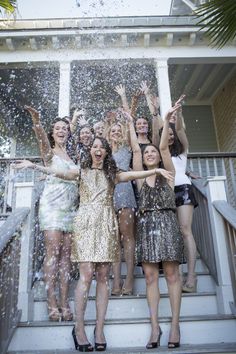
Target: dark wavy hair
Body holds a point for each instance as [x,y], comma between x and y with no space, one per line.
[177,147]
[143,150]
[70,144]
[85,126]
[149,132]
[109,165]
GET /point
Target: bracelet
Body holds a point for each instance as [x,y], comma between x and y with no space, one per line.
[155,115]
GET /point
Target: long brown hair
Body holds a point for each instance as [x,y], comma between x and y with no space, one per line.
[70,144]
[109,164]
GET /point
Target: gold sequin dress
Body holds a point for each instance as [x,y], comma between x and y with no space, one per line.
[95,237]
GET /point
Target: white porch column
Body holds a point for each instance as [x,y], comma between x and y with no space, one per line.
[162,76]
[216,191]
[64,89]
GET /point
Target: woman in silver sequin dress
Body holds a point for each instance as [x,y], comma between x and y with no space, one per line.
[58,204]
[158,239]
[96,241]
[125,204]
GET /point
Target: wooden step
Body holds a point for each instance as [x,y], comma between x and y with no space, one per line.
[205,284]
[125,333]
[215,348]
[137,307]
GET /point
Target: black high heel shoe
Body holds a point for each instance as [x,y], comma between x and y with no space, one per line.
[173,345]
[81,347]
[156,344]
[99,347]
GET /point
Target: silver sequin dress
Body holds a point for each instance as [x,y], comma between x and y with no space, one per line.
[158,233]
[124,194]
[95,237]
[59,199]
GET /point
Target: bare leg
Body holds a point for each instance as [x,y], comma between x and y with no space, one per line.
[171,271]
[64,269]
[81,297]
[126,226]
[116,270]
[153,296]
[185,216]
[102,294]
[51,261]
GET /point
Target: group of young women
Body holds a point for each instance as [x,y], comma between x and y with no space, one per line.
[113,212]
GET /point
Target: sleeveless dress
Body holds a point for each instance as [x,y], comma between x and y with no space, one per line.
[158,233]
[59,199]
[95,237]
[123,194]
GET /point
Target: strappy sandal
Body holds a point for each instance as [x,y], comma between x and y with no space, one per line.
[66,314]
[54,314]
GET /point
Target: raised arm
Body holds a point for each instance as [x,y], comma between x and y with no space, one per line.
[137,154]
[180,126]
[120,89]
[130,175]
[134,102]
[44,145]
[78,118]
[153,103]
[157,121]
[164,147]
[70,175]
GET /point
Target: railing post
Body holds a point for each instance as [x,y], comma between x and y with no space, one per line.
[24,197]
[216,191]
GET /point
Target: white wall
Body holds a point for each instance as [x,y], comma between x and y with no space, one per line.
[35,9]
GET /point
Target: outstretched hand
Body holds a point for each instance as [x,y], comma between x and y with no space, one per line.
[22,164]
[144,88]
[167,174]
[180,99]
[127,116]
[34,114]
[172,110]
[120,89]
[79,112]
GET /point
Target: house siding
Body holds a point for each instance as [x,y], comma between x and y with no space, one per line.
[225,123]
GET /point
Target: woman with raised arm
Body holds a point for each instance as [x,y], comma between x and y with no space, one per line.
[158,239]
[56,212]
[185,199]
[153,105]
[125,204]
[96,239]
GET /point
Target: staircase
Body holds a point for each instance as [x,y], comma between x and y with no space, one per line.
[127,327]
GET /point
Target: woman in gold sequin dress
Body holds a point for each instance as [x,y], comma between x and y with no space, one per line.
[158,238]
[96,241]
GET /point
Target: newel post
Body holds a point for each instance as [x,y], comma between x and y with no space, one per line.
[216,191]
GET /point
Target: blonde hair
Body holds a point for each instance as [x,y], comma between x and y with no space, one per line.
[123,127]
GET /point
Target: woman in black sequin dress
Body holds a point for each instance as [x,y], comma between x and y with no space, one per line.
[159,239]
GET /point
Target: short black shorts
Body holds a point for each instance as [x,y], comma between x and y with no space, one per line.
[184,195]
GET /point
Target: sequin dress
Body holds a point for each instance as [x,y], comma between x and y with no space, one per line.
[158,233]
[123,194]
[95,237]
[59,199]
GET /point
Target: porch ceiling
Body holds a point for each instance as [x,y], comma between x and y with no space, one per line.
[200,82]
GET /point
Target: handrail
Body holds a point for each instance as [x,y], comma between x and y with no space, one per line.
[228,215]
[211,154]
[227,211]
[11,225]
[10,250]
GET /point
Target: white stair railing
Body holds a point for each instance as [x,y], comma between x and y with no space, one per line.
[212,239]
[11,234]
